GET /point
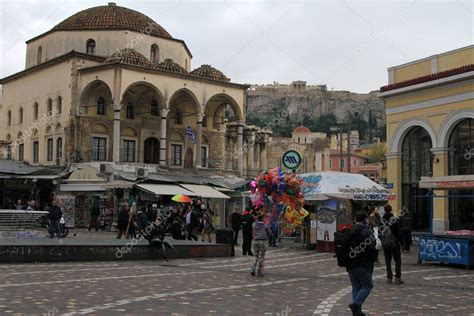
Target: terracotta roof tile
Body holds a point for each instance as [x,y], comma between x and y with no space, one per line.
[171,66]
[112,17]
[129,56]
[209,72]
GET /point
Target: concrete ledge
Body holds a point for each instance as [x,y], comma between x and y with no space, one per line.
[62,250]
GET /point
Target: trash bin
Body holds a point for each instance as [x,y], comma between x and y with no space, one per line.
[226,236]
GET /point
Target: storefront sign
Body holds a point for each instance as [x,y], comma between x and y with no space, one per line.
[291,159]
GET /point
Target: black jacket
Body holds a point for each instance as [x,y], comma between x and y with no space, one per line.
[406,221]
[236,220]
[247,221]
[367,253]
[393,224]
[55,213]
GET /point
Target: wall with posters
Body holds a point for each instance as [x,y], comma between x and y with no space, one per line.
[68,205]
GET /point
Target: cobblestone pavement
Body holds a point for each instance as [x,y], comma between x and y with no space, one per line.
[296,282]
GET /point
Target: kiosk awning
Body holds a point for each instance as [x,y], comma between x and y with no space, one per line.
[205,191]
[164,189]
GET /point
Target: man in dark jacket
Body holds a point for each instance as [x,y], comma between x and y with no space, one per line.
[155,234]
[389,221]
[55,214]
[405,229]
[247,221]
[236,222]
[360,273]
[95,212]
[192,221]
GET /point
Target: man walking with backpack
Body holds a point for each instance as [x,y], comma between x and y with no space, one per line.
[355,250]
[390,237]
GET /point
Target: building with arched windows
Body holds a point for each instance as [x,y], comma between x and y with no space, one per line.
[110,85]
[430,133]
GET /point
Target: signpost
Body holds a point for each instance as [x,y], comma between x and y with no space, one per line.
[291,159]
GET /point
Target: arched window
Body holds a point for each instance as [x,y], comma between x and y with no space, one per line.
[461,148]
[50,107]
[9,118]
[100,106]
[154,54]
[417,162]
[59,148]
[20,116]
[39,55]
[154,109]
[59,105]
[204,121]
[461,162]
[35,111]
[90,47]
[178,117]
[130,112]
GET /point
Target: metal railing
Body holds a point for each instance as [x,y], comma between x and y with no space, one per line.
[22,219]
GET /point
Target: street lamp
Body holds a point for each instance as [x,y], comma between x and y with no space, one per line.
[339,130]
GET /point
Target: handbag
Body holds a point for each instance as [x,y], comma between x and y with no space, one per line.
[378,242]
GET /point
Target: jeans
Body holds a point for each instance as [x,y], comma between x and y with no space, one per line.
[406,239]
[397,257]
[54,227]
[361,281]
[94,223]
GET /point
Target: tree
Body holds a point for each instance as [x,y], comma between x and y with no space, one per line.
[378,154]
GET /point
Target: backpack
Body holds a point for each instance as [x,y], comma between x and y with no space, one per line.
[345,243]
[386,236]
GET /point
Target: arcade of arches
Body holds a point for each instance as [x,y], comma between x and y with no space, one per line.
[177,134]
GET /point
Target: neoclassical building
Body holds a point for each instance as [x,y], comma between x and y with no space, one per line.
[430,137]
[109,84]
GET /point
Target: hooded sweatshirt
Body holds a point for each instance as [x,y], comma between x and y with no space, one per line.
[259,230]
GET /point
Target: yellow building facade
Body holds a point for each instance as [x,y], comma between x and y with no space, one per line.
[430,132]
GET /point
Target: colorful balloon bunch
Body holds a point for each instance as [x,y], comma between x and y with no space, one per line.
[282,192]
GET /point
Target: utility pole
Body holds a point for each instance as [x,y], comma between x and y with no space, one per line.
[348,146]
[341,154]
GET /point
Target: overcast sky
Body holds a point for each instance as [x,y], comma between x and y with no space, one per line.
[347,45]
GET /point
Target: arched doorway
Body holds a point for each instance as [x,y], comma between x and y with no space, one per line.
[416,163]
[152,151]
[188,159]
[461,162]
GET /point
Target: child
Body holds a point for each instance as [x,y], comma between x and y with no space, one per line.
[260,236]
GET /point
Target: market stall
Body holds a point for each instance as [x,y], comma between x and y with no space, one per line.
[331,197]
[454,246]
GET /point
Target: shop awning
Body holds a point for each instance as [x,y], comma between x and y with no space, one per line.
[81,187]
[164,189]
[223,189]
[449,182]
[119,184]
[205,191]
[342,185]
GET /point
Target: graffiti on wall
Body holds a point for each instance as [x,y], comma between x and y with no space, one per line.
[440,249]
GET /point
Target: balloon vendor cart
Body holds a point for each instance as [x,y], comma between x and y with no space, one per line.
[332,197]
[277,194]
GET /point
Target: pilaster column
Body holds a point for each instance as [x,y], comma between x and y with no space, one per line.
[240,151]
[263,154]
[250,156]
[257,157]
[440,205]
[394,175]
[116,142]
[164,114]
[198,161]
